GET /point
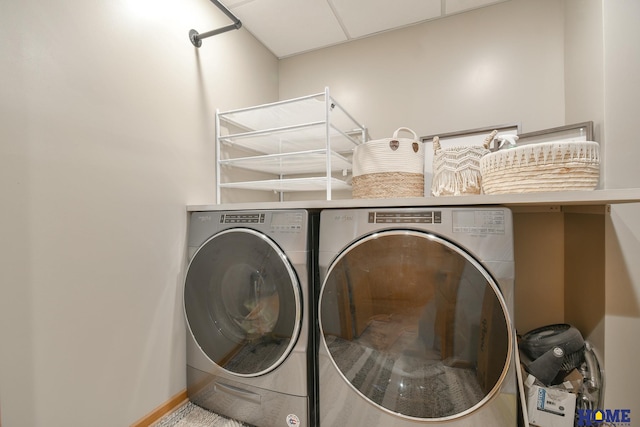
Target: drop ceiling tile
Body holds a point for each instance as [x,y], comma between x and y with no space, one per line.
[457,6]
[287,27]
[365,17]
[233,3]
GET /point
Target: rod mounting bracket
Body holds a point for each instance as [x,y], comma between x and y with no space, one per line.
[196,38]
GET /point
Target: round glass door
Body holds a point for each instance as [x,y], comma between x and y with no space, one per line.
[242,302]
[415,325]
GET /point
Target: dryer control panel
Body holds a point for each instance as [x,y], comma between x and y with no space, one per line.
[405,217]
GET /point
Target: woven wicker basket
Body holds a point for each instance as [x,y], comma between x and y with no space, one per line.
[456,170]
[389,168]
[547,166]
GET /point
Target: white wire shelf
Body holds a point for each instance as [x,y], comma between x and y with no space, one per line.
[292,112]
[290,184]
[310,136]
[303,162]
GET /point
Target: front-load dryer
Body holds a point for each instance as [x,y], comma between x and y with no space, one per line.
[248,304]
[416,318]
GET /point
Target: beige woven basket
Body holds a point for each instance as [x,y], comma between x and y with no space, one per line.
[389,168]
[546,166]
[456,170]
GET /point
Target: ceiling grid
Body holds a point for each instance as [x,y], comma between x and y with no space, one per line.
[291,27]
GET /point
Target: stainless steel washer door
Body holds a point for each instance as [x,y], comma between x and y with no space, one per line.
[242,302]
[415,325]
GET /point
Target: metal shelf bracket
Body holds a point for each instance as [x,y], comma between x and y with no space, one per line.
[196,38]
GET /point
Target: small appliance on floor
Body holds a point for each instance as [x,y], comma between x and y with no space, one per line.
[249,305]
[415,317]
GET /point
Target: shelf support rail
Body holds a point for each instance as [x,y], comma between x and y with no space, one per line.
[328,107]
[196,38]
[218,159]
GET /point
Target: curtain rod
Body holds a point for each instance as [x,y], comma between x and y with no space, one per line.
[196,38]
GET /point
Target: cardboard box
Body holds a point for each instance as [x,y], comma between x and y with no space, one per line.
[550,407]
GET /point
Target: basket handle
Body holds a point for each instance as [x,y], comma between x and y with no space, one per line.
[487,141]
[395,134]
[394,143]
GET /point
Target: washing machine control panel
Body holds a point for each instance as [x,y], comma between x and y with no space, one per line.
[243,218]
[287,221]
[485,221]
[392,217]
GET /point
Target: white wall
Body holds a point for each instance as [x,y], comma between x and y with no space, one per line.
[584,68]
[106,134]
[495,65]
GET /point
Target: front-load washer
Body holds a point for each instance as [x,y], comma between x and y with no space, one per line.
[248,303]
[416,318]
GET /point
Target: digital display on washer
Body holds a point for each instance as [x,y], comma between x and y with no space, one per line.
[404,217]
[287,221]
[480,221]
[244,218]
